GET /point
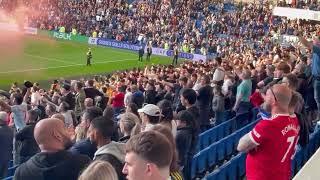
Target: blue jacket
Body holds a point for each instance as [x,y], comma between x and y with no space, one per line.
[84,147]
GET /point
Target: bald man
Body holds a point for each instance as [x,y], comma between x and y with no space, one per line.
[271,144]
[53,162]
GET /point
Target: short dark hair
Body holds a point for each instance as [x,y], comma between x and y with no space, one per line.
[92,113]
[166,110]
[151,146]
[219,60]
[18,98]
[183,79]
[206,78]
[91,82]
[190,95]
[153,119]
[292,80]
[33,115]
[105,126]
[79,85]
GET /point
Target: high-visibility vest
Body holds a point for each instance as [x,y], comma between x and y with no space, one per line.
[166,46]
[74,31]
[62,29]
[94,34]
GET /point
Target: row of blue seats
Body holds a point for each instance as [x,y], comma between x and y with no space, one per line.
[231,170]
[235,167]
[224,129]
[303,154]
[11,171]
[217,152]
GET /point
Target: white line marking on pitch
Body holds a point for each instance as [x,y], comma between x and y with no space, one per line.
[49,59]
[57,67]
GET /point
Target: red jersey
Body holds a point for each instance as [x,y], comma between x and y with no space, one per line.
[276,139]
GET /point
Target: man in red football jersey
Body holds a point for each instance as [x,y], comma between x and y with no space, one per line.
[271,144]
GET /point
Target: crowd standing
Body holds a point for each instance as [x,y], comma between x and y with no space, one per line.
[144,123]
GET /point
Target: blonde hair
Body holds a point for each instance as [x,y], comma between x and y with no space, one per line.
[131,123]
[99,170]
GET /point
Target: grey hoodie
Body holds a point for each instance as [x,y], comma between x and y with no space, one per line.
[114,148]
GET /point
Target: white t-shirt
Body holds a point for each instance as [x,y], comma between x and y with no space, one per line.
[226,85]
[218,74]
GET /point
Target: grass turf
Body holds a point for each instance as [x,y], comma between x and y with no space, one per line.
[41,59]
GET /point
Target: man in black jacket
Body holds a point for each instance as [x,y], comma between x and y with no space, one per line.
[85,146]
[53,162]
[141,52]
[91,91]
[100,133]
[68,97]
[6,141]
[29,146]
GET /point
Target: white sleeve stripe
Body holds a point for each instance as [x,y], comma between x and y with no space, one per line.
[254,141]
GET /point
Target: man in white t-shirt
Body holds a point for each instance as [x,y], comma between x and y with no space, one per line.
[219,73]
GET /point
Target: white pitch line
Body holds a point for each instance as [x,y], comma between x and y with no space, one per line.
[57,67]
[50,59]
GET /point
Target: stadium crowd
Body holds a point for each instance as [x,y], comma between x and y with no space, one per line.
[197,26]
[144,123]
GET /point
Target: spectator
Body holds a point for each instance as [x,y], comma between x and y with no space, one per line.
[79,98]
[150,116]
[292,82]
[54,162]
[29,146]
[262,161]
[132,108]
[174,167]
[6,139]
[166,117]
[148,157]
[99,170]
[83,144]
[88,103]
[218,105]
[50,110]
[150,94]
[203,102]
[243,104]
[91,91]
[219,72]
[18,109]
[67,96]
[315,46]
[100,132]
[69,116]
[130,125]
[137,96]
[118,101]
[185,134]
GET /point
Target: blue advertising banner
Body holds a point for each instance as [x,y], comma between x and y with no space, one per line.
[116,44]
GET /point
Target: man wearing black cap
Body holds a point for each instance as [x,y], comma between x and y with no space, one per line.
[67,96]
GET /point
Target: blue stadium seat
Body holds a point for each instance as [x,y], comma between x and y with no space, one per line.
[213,176]
[232,171]
[242,120]
[220,131]
[221,150]
[212,155]
[12,170]
[8,178]
[229,144]
[201,161]
[240,161]
[204,140]
[213,135]
[222,175]
[227,128]
[254,113]
[10,163]
[298,158]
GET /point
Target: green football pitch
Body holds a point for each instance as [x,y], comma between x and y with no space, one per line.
[41,59]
